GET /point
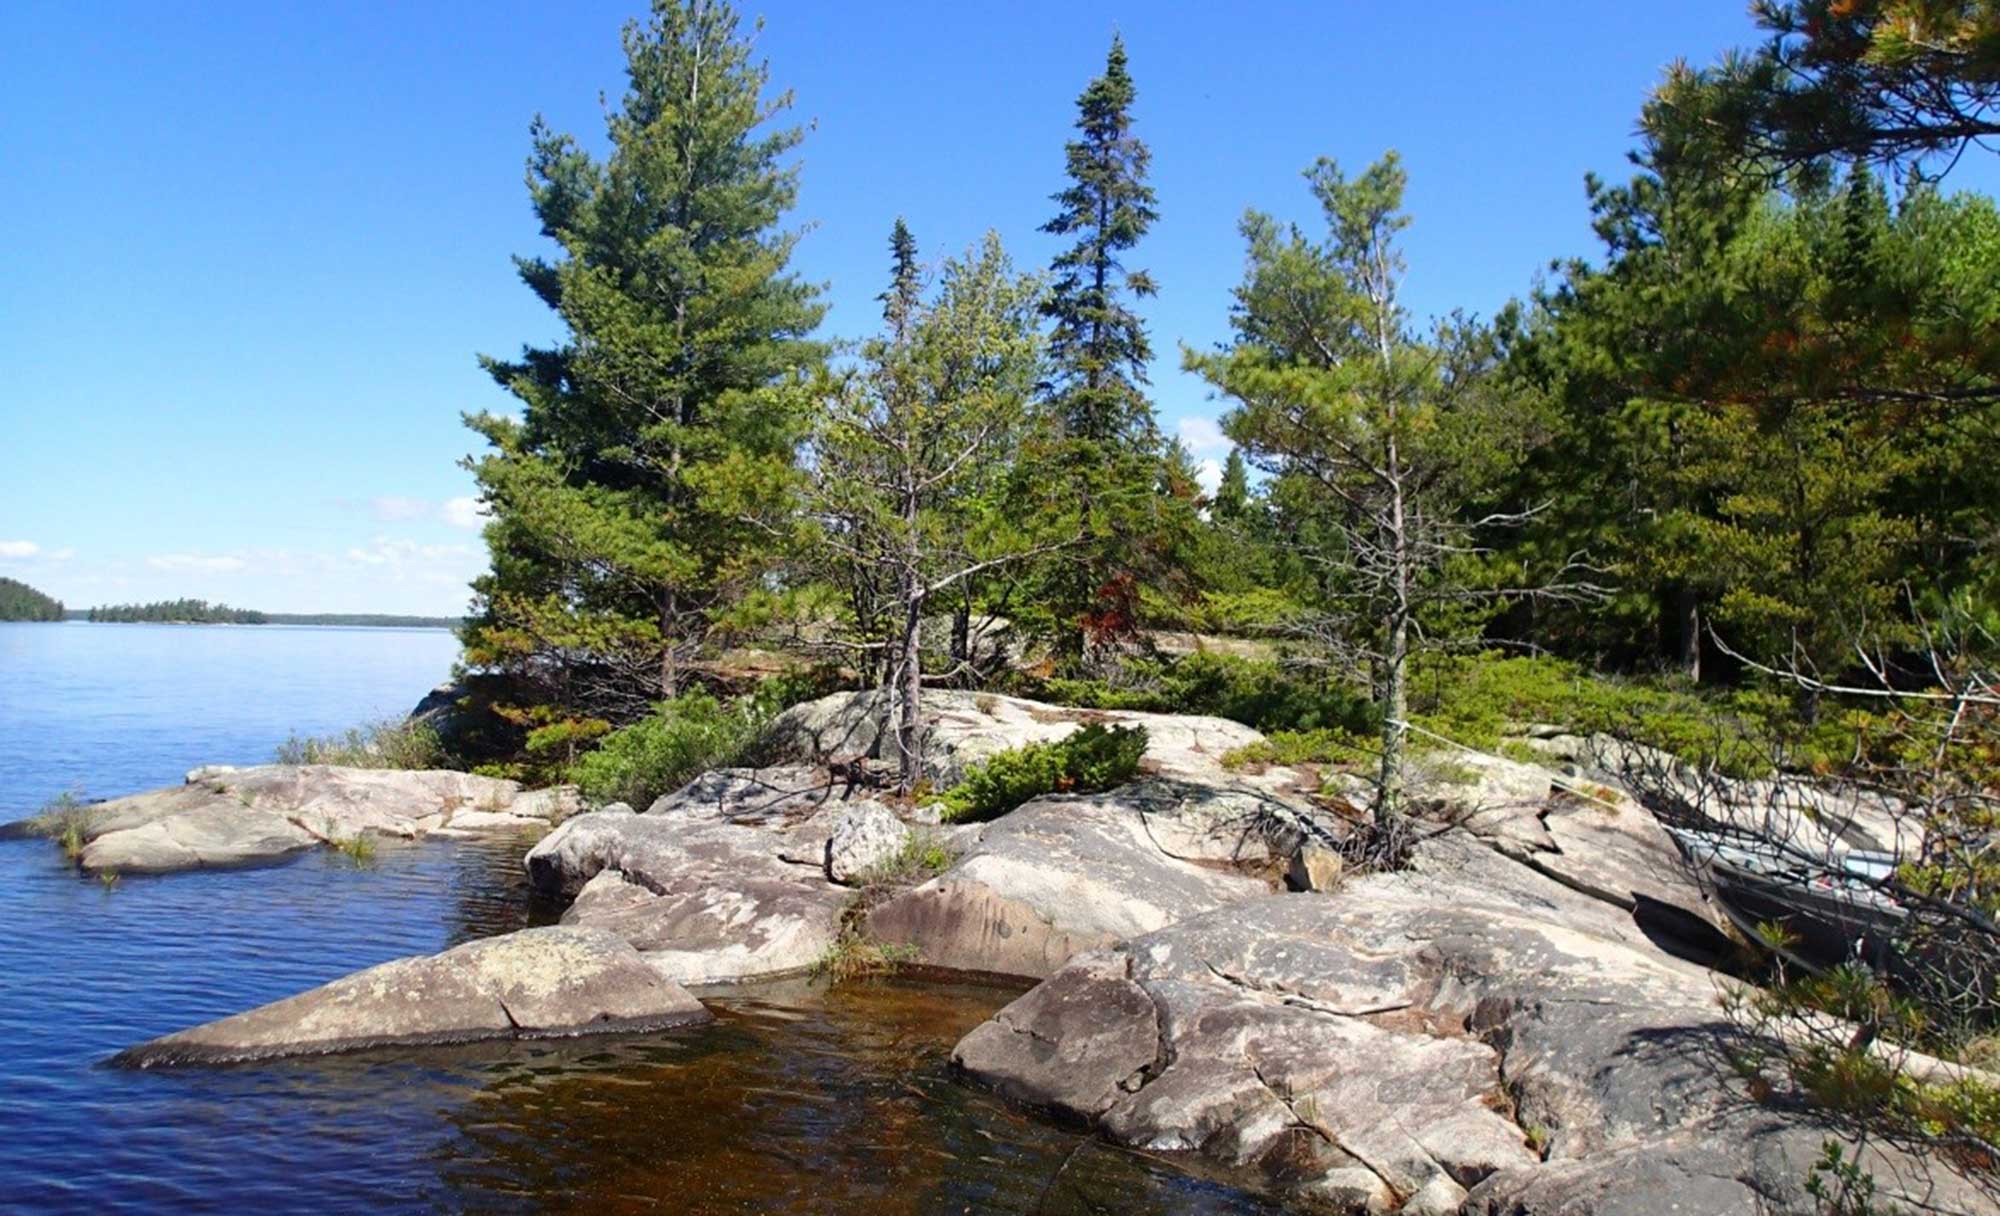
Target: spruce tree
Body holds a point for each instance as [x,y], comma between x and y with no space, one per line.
[1096,387]
[1098,344]
[1232,492]
[651,432]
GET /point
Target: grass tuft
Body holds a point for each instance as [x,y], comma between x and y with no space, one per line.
[391,743]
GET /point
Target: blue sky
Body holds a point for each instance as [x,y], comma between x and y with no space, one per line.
[253,249]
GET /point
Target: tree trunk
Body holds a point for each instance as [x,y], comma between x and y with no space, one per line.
[670,675]
[961,639]
[1684,611]
[1395,715]
[909,727]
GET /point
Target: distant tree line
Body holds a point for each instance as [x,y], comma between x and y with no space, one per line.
[177,612]
[20,602]
[170,611]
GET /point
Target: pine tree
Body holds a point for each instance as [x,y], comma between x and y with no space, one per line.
[912,451]
[666,416]
[1384,435]
[1098,344]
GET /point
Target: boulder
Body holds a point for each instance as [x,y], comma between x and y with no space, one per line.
[224,817]
[1472,1035]
[532,983]
[862,837]
[720,882]
[1067,873]
[964,728]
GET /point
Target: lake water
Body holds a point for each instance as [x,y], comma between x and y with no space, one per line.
[798,1099]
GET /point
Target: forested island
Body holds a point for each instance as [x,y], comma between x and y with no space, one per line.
[20,602]
[175,612]
[201,612]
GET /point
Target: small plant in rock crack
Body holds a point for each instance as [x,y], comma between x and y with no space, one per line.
[855,955]
[1840,1187]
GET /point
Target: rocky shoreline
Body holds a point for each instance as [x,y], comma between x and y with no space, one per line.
[1522,1021]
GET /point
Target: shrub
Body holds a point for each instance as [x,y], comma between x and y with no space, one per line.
[1094,758]
[660,753]
[391,743]
[65,819]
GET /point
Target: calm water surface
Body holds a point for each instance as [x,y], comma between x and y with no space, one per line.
[798,1099]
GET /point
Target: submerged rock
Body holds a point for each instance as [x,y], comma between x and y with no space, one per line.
[223,817]
[532,983]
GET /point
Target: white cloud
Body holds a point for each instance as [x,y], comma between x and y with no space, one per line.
[395,508]
[18,550]
[223,564]
[1208,473]
[1202,435]
[465,512]
[399,553]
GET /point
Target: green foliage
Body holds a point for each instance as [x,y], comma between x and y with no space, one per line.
[1890,81]
[358,849]
[178,612]
[1840,1186]
[662,752]
[1261,694]
[390,743]
[1091,759]
[854,955]
[666,421]
[924,855]
[1098,343]
[1336,746]
[67,820]
[20,602]
[1735,401]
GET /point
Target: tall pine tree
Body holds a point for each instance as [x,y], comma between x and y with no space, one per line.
[648,432]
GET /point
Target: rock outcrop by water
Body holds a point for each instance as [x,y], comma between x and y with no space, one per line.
[1509,1027]
[1064,874]
[731,878]
[223,817]
[529,984]
[719,882]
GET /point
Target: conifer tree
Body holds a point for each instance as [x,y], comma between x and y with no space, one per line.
[1388,435]
[653,428]
[1096,387]
[1098,345]
[912,452]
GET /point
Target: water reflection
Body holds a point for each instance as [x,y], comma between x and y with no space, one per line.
[796,1100]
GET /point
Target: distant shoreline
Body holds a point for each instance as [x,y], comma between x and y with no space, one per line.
[374,620]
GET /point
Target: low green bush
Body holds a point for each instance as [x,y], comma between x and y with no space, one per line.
[660,753]
[390,743]
[1094,758]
